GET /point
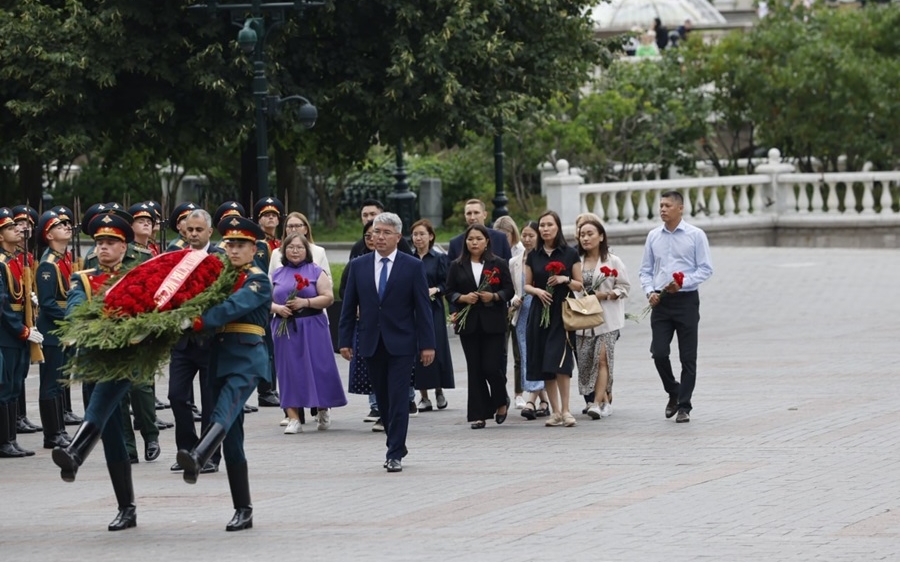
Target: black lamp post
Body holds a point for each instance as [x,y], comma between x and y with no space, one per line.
[252,39]
[402,201]
[500,200]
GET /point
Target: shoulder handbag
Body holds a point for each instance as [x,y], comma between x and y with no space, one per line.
[583,313]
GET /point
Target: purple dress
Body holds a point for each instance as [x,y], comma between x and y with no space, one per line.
[308,375]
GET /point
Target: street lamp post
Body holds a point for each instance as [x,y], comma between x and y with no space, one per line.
[402,201]
[500,200]
[252,39]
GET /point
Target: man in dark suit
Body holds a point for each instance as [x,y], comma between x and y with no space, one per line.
[476,214]
[390,291]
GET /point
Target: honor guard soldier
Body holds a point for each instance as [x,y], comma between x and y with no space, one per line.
[26,217]
[90,259]
[103,415]
[238,361]
[157,222]
[228,209]
[53,275]
[268,212]
[176,223]
[143,219]
[65,214]
[14,334]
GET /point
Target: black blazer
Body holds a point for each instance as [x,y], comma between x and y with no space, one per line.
[486,318]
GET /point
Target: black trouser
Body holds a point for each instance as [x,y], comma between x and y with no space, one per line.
[183,365]
[517,356]
[486,367]
[676,313]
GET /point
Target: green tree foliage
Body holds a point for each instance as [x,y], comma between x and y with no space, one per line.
[815,83]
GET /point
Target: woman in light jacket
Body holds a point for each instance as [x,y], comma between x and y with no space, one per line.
[297,223]
[595,348]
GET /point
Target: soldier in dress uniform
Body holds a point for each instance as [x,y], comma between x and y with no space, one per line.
[14,335]
[176,223]
[52,279]
[26,217]
[156,246]
[268,212]
[65,214]
[90,258]
[111,233]
[238,361]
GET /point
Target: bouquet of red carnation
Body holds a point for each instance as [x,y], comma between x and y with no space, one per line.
[678,279]
[605,273]
[490,276]
[301,283]
[127,331]
[553,268]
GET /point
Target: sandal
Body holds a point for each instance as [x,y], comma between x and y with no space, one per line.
[528,411]
[544,411]
[478,425]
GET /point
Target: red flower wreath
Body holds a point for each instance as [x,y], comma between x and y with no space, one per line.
[135,293]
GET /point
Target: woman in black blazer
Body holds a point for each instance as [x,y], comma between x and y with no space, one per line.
[481,322]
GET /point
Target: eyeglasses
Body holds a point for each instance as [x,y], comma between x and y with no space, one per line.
[294,248]
[379,232]
[294,226]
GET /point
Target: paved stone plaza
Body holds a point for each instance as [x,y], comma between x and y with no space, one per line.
[792,453]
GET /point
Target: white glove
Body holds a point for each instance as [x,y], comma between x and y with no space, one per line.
[34,336]
[186,324]
[34,299]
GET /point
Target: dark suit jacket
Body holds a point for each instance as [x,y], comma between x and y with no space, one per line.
[487,318]
[499,245]
[403,320]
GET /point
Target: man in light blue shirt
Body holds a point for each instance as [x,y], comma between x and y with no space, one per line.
[676,261]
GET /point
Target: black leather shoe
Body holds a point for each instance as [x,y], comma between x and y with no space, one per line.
[683,416]
[478,425]
[197,417]
[125,519]
[394,465]
[22,449]
[7,451]
[151,451]
[25,426]
[243,519]
[69,418]
[500,418]
[176,468]
[269,400]
[161,425]
[160,405]
[671,406]
[209,468]
[248,409]
[133,459]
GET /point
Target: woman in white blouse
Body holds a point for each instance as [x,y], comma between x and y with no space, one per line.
[605,277]
[297,222]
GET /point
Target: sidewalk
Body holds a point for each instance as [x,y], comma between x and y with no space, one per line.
[792,453]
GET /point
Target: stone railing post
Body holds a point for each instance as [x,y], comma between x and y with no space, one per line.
[778,201]
[562,193]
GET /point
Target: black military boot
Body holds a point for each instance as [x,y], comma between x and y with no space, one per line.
[12,414]
[239,482]
[7,450]
[120,475]
[52,424]
[23,424]
[193,461]
[68,459]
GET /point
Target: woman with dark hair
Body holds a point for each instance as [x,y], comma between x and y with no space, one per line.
[479,284]
[604,277]
[438,375]
[304,361]
[552,270]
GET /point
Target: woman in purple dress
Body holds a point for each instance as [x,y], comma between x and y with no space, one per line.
[304,361]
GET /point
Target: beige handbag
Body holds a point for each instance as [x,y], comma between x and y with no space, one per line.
[581,313]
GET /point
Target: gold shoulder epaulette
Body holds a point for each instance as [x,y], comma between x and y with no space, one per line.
[254,269]
[51,258]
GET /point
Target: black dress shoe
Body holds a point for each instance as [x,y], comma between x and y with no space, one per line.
[197,417]
[243,519]
[500,418]
[133,460]
[176,468]
[394,465]
[209,468]
[248,409]
[671,406]
[69,418]
[125,519]
[56,440]
[7,451]
[24,426]
[478,425]
[151,451]
[27,452]
[269,400]
[161,425]
[160,405]
[683,416]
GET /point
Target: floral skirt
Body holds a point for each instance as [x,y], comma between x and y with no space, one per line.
[587,353]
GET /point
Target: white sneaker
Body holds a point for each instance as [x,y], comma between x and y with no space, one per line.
[293,427]
[323,420]
[520,402]
[594,411]
[285,421]
[605,410]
